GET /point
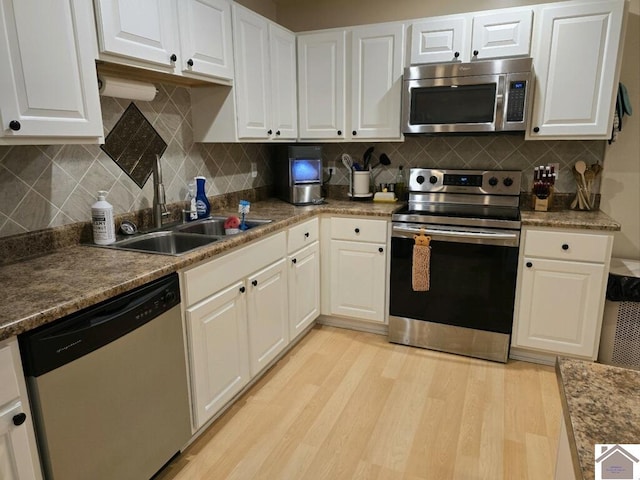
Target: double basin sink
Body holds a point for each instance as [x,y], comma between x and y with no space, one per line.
[182,238]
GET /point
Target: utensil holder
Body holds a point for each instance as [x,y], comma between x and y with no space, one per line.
[361,183]
[585,199]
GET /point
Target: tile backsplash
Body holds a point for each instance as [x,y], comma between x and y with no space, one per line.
[500,152]
[53,185]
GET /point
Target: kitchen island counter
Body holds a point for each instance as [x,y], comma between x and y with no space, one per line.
[600,404]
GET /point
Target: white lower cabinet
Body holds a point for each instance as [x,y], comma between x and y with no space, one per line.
[237,321]
[562,278]
[218,350]
[358,266]
[268,317]
[18,454]
[304,288]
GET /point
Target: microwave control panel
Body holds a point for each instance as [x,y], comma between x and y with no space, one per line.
[516,99]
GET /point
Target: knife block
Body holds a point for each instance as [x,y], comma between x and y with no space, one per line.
[543,204]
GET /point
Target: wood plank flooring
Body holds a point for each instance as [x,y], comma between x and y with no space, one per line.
[348,405]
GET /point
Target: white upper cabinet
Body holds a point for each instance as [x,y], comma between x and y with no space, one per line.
[376,81]
[321,83]
[266,78]
[205,37]
[284,85]
[351,92]
[477,36]
[576,60]
[501,34]
[48,85]
[189,37]
[439,39]
[145,30]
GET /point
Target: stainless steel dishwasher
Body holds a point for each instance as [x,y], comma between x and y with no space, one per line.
[108,386]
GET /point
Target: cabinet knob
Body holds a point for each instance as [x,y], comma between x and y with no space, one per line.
[536,129]
[306,235]
[357,230]
[19,419]
[15,125]
[294,261]
[475,53]
[190,62]
[457,54]
[354,133]
[254,283]
[242,289]
[270,132]
[380,249]
[529,264]
[339,132]
[173,57]
[565,246]
[277,132]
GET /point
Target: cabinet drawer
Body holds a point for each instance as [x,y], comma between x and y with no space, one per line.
[568,245]
[359,229]
[302,235]
[9,389]
[209,277]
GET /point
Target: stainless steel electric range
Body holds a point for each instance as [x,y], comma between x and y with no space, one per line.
[473,220]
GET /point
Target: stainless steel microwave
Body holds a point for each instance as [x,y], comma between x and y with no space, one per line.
[482,96]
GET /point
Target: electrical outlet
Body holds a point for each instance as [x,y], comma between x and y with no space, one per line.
[254,169]
[332,165]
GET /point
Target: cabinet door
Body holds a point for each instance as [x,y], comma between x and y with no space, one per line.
[304,288]
[439,40]
[376,81]
[205,37]
[218,352]
[284,84]
[15,455]
[268,315]
[48,75]
[501,34]
[144,30]
[358,280]
[321,84]
[576,64]
[560,306]
[253,89]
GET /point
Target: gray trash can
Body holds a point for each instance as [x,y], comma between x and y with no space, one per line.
[620,338]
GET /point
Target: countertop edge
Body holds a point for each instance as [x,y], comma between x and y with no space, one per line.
[566,415]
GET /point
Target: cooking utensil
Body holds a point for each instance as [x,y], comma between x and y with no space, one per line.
[384,160]
[366,158]
[347,161]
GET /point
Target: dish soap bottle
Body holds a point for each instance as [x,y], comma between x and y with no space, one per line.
[192,213]
[401,184]
[104,231]
[202,202]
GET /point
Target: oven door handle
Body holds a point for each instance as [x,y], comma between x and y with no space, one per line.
[503,238]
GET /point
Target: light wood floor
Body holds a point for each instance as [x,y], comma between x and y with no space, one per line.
[349,405]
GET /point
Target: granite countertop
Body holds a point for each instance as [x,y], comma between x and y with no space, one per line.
[43,288]
[594,220]
[600,404]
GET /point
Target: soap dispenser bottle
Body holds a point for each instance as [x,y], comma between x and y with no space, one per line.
[104,231]
[202,202]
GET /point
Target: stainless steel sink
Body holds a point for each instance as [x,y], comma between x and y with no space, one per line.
[166,243]
[215,225]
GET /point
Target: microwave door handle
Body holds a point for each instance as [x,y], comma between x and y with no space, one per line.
[409,231]
[500,103]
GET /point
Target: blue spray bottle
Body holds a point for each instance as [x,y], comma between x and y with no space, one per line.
[202,202]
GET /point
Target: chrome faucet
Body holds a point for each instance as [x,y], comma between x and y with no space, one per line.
[159,200]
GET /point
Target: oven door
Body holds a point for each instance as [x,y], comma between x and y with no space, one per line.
[472,277]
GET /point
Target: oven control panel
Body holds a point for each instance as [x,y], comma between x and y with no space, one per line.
[484,182]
